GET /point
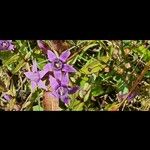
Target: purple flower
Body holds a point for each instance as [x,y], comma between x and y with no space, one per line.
[7,97]
[35,76]
[129,98]
[60,89]
[6,45]
[58,64]
[43,45]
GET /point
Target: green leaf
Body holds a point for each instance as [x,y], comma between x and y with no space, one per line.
[120,84]
[125,90]
[2,86]
[104,59]
[27,55]
[86,97]
[84,81]
[37,108]
[35,96]
[97,90]
[19,66]
[86,86]
[26,104]
[112,107]
[5,55]
[12,89]
[92,66]
[76,105]
[14,58]
[41,62]
[79,107]
[143,51]
[89,46]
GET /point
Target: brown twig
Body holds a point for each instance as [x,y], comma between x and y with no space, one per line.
[146,68]
[50,102]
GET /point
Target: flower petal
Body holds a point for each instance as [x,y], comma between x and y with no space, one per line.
[53,82]
[43,45]
[65,99]
[7,97]
[58,75]
[33,85]
[11,47]
[34,66]
[132,96]
[33,76]
[42,73]
[64,56]
[48,67]
[51,55]
[65,79]
[29,75]
[73,90]
[68,68]
[42,85]
[6,45]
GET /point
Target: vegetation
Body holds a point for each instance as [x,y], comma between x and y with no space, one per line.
[107,76]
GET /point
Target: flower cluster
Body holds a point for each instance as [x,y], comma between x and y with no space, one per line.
[6,45]
[58,73]
[36,77]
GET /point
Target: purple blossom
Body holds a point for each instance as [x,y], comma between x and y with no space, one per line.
[43,45]
[129,98]
[58,64]
[60,89]
[7,97]
[35,76]
[6,45]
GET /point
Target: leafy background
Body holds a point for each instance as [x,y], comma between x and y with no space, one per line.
[105,70]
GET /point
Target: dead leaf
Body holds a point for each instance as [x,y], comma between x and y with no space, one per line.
[127,51]
[59,45]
